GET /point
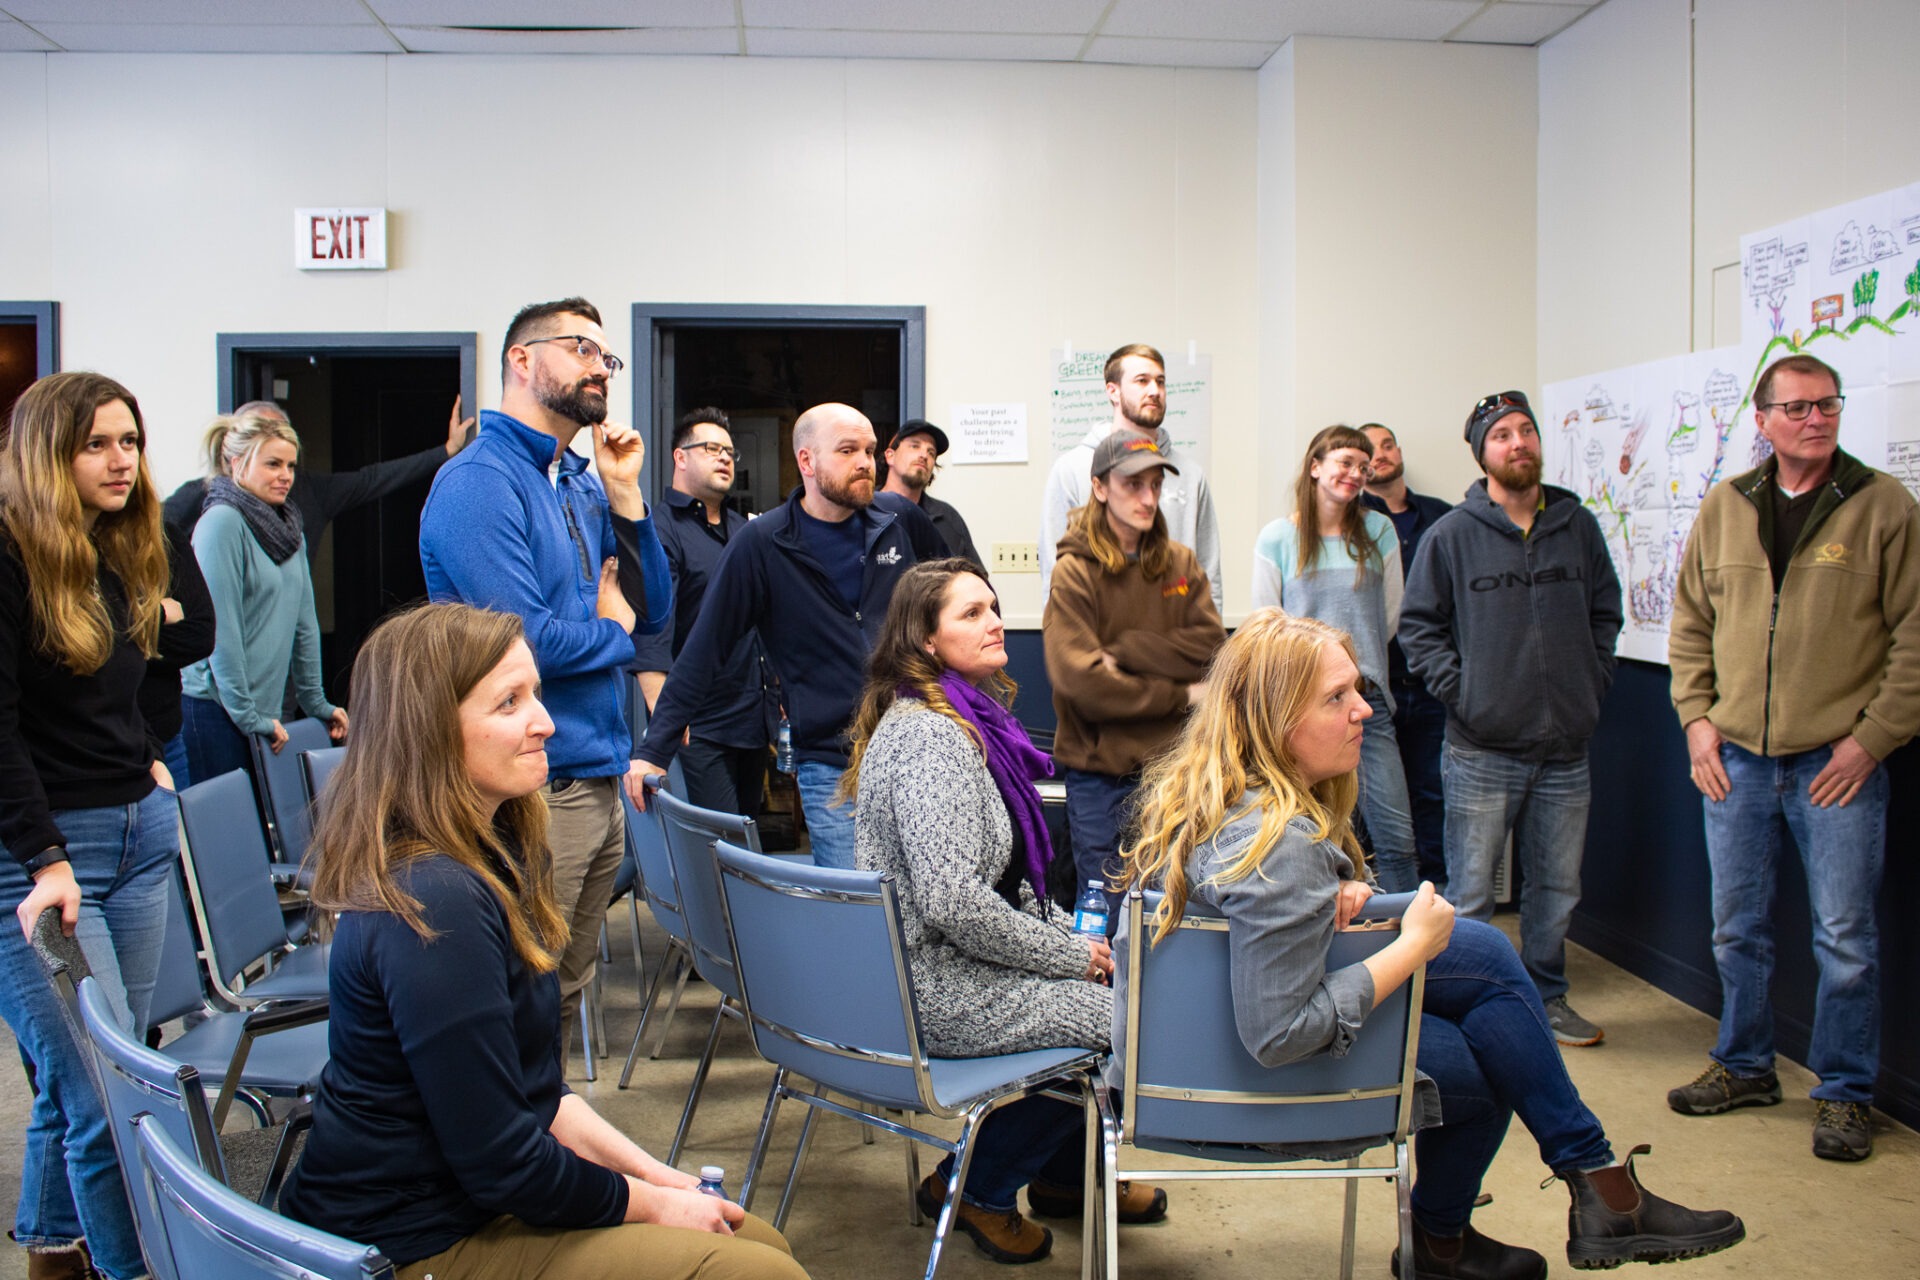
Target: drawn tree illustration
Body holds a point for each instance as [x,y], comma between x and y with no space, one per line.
[1913,287]
[1864,290]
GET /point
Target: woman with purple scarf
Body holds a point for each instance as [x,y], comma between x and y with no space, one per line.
[942,777]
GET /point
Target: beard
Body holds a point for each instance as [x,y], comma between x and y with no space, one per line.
[1388,477]
[918,476]
[577,403]
[1517,473]
[855,492]
[1147,417]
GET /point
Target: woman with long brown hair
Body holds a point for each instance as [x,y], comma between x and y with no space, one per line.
[85,808]
[443,1131]
[1250,815]
[942,775]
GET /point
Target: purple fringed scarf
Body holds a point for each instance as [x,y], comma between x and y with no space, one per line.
[1016,764]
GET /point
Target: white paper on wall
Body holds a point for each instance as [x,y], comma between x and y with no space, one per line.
[983,433]
[1078,401]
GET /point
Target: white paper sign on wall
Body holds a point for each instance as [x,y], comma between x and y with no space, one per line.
[340,239]
[988,433]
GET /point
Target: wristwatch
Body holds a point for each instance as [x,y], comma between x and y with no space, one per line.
[41,861]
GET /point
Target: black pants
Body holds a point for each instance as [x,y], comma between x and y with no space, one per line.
[725,779]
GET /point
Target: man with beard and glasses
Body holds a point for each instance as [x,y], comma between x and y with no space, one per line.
[1137,388]
[1511,612]
[814,577]
[912,459]
[516,522]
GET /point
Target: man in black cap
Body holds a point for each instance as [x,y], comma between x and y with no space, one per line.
[1511,612]
[912,458]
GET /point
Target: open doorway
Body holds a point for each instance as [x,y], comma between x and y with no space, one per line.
[29,348]
[358,399]
[765,365]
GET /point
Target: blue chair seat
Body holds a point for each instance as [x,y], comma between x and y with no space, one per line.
[300,975]
[957,1082]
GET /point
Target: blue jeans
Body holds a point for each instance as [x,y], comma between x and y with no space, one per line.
[1383,801]
[214,743]
[1843,851]
[1099,809]
[1420,723]
[70,1184]
[1036,1137]
[829,823]
[1543,805]
[1485,1040]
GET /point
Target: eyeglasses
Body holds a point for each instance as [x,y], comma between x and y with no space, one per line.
[1798,410]
[584,347]
[1500,400]
[715,449]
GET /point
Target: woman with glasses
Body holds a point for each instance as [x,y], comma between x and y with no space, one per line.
[1339,561]
[1250,814]
[443,1132]
[85,806]
[252,549]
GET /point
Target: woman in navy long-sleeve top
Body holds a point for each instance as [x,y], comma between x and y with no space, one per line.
[443,1131]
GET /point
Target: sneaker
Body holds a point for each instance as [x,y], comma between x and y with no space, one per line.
[1568,1026]
[1613,1219]
[1717,1089]
[1138,1201]
[1469,1256]
[1842,1130]
[1003,1235]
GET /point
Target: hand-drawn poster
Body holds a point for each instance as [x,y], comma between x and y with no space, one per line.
[1079,400]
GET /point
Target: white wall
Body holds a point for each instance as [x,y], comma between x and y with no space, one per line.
[1021,204]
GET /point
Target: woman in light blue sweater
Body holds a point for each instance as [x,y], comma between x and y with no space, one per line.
[252,551]
[1334,560]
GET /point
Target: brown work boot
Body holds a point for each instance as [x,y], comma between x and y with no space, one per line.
[1468,1256]
[1139,1202]
[1613,1219]
[60,1262]
[1003,1235]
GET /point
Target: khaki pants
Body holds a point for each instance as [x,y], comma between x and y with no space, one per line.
[588,832]
[509,1248]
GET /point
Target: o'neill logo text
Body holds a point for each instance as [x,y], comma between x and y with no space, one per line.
[1495,581]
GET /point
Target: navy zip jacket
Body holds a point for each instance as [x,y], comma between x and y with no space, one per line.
[1427,511]
[498,534]
[1514,632]
[769,580]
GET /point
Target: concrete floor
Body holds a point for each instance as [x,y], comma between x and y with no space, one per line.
[1804,1217]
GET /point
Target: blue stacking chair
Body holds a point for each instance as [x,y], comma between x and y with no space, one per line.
[208,1232]
[648,843]
[235,906]
[1193,1090]
[823,976]
[316,770]
[283,787]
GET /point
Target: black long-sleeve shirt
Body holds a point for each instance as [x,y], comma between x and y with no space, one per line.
[182,643]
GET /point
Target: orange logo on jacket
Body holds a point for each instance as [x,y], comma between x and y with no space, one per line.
[1177,589]
[1831,553]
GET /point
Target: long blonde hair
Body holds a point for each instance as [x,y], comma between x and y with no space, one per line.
[403,791]
[900,660]
[41,511]
[1156,545]
[1262,682]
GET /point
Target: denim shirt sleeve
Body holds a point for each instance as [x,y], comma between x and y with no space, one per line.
[1280,923]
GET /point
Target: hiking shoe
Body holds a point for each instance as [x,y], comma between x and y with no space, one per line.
[1470,1256]
[1568,1026]
[1842,1130]
[1717,1089]
[1613,1219]
[1138,1201]
[1003,1235]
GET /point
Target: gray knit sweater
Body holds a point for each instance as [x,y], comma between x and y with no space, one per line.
[989,979]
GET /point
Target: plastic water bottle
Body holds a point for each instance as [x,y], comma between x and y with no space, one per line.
[783,746]
[1090,912]
[713,1182]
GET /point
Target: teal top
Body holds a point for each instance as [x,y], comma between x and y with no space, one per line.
[264,626]
[1368,611]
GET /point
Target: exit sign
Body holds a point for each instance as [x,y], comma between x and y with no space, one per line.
[340,239]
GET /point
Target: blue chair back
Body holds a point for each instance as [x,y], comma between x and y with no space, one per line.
[648,843]
[1189,1079]
[823,975]
[228,862]
[284,786]
[690,835]
[210,1231]
[316,770]
[177,986]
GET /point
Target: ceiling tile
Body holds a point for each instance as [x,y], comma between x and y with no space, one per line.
[683,40]
[1277,20]
[1060,17]
[190,12]
[15,38]
[129,37]
[1519,23]
[1136,51]
[981,46]
[555,13]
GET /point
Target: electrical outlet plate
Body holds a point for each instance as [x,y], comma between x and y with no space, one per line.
[1016,557]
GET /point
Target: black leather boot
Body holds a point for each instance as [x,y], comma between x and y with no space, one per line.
[1614,1220]
[1470,1256]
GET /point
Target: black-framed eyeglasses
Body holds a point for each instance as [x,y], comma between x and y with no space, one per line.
[1798,410]
[1501,400]
[714,449]
[584,347]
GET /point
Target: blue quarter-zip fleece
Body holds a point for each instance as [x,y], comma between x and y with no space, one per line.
[769,580]
[498,534]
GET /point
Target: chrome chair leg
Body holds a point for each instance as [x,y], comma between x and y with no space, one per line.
[699,1083]
[675,956]
[762,1138]
[1346,1225]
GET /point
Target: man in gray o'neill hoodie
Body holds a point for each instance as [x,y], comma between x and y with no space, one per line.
[1511,612]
